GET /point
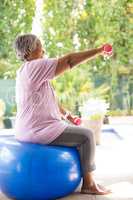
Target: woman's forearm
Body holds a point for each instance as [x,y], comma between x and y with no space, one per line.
[64,113]
[62,110]
[79,57]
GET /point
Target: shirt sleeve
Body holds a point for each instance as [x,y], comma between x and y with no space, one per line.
[41,70]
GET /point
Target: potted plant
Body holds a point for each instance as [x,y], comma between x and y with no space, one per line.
[93,112]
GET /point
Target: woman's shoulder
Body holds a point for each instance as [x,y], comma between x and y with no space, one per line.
[36,61]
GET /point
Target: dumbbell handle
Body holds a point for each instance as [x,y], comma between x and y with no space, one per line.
[75,120]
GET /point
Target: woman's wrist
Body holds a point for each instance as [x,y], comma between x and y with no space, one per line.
[66,114]
[100,50]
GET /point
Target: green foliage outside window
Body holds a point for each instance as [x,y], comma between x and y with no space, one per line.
[75,25]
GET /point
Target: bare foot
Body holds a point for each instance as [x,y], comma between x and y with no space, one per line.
[95,189]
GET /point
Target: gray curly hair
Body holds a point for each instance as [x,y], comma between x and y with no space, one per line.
[25,45]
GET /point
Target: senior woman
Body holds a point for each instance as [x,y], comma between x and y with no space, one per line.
[38,114]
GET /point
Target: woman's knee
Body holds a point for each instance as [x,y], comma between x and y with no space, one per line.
[88,134]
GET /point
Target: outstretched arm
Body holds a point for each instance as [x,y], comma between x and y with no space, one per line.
[70,60]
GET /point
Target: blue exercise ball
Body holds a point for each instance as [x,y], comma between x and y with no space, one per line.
[37,172]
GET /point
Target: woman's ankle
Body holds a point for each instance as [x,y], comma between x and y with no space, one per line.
[88,180]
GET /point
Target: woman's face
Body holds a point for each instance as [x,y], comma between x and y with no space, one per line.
[38,53]
[40,50]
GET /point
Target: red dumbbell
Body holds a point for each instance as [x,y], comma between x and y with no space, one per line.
[77,121]
[107,51]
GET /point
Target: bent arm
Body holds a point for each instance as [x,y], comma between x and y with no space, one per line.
[62,110]
[73,59]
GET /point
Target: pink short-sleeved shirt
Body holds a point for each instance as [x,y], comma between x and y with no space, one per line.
[38,117]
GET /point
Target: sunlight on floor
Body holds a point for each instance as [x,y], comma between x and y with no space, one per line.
[121,190]
[114,163]
[114,156]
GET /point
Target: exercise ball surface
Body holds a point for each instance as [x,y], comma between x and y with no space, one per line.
[37,172]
